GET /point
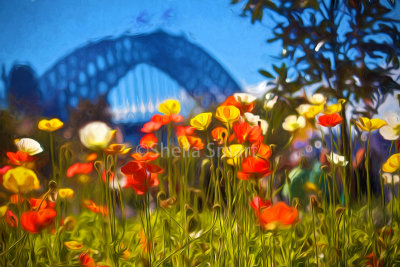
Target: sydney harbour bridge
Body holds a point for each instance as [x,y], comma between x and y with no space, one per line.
[135,73]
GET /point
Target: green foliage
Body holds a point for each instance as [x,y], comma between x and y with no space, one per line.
[343,49]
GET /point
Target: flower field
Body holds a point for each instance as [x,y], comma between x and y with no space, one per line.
[228,187]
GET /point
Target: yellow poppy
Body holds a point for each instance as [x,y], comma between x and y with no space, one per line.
[367,125]
[69,223]
[310,111]
[170,107]
[50,125]
[392,164]
[20,180]
[117,149]
[184,142]
[233,153]
[310,187]
[66,193]
[73,245]
[201,121]
[227,114]
[335,108]
[3,210]
[83,178]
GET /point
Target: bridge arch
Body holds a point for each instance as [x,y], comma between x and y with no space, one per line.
[95,68]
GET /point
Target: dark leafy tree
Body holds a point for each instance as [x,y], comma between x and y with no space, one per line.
[342,48]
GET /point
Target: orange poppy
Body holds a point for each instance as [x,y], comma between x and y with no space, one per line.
[146,157]
[16,198]
[254,168]
[150,127]
[36,221]
[159,120]
[19,157]
[176,118]
[219,135]
[261,150]
[373,260]
[11,219]
[244,132]
[231,101]
[96,209]
[35,202]
[190,142]
[148,141]
[79,168]
[86,261]
[143,241]
[114,149]
[277,215]
[184,130]
[330,120]
[104,177]
[163,119]
[91,157]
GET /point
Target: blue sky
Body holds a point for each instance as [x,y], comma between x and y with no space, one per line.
[41,31]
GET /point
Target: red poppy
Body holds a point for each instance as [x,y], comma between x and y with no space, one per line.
[11,219]
[184,130]
[148,156]
[86,261]
[79,168]
[36,221]
[244,132]
[141,176]
[258,204]
[3,171]
[96,209]
[19,157]
[231,101]
[330,120]
[148,141]
[261,150]
[271,216]
[254,168]
[219,134]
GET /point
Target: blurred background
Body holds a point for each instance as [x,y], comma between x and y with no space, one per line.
[63,58]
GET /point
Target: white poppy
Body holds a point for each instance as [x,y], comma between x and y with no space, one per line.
[389,178]
[317,99]
[30,146]
[303,109]
[96,135]
[292,123]
[270,101]
[391,131]
[244,98]
[337,159]
[254,120]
